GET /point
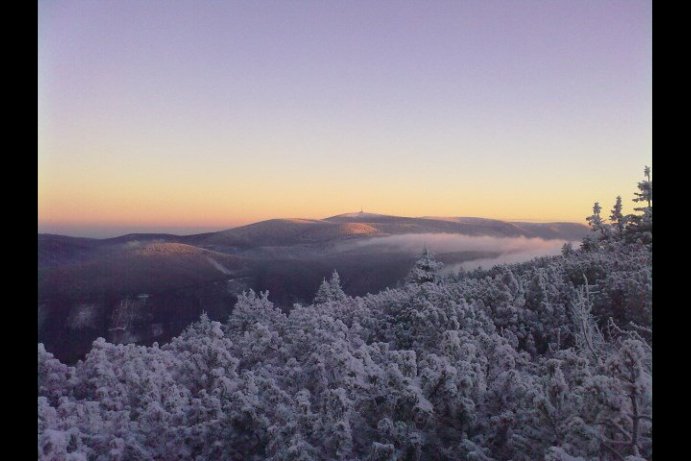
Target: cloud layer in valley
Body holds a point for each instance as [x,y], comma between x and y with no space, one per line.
[510,249]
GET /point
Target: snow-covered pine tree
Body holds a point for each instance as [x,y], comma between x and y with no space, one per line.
[330,291]
[598,229]
[337,293]
[594,220]
[617,218]
[641,226]
[645,188]
[323,293]
[426,269]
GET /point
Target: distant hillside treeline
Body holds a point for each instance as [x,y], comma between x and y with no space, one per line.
[549,359]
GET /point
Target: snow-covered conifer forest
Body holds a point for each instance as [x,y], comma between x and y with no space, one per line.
[545,360]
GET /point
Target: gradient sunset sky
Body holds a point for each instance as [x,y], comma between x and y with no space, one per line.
[187,116]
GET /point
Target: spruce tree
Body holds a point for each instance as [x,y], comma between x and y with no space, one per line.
[640,226]
[617,218]
[323,293]
[331,290]
[337,293]
[426,269]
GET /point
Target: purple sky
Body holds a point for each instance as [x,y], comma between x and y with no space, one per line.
[242,108]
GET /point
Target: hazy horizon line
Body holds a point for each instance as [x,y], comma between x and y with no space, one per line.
[104,231]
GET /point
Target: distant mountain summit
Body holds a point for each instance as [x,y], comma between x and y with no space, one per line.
[359,215]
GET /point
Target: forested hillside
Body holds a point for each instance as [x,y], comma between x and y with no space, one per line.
[545,360]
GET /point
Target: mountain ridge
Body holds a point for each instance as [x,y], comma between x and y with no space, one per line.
[270,231]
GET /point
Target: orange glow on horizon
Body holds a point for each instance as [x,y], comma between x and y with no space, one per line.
[212,208]
[165,196]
